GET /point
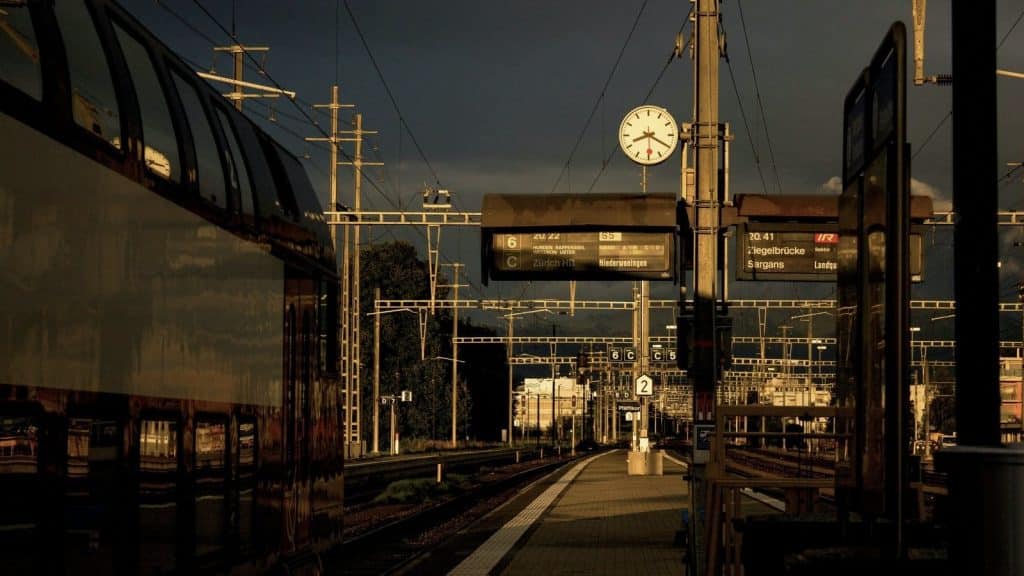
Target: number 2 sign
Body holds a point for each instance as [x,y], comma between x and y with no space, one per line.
[644,385]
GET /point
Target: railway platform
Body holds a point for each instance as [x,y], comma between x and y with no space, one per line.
[594,519]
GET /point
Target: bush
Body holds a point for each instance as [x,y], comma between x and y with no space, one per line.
[420,490]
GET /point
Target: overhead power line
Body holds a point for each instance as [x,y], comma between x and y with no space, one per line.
[391,96]
[600,96]
[757,92]
[746,125]
[654,85]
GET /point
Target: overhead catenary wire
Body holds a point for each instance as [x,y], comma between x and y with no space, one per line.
[258,68]
[654,85]
[746,125]
[757,92]
[473,286]
[600,96]
[391,96]
[950,113]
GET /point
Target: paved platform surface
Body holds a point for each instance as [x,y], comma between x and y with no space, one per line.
[595,520]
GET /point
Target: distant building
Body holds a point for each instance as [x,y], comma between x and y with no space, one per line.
[1011,377]
[526,402]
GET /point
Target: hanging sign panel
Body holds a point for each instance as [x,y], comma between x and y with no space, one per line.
[603,254]
[787,251]
[579,237]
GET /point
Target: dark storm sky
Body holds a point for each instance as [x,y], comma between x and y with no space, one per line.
[497,94]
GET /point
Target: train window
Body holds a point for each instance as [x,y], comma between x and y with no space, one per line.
[210,446]
[246,481]
[93,100]
[276,160]
[157,131]
[237,171]
[211,485]
[211,174]
[90,443]
[91,494]
[78,447]
[327,323]
[19,53]
[158,494]
[22,497]
[19,445]
[158,443]
[261,180]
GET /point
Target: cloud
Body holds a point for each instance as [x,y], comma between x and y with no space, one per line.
[833,185]
[940,201]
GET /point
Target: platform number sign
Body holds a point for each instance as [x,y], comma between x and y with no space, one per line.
[629,354]
[644,385]
[657,354]
[615,354]
[671,355]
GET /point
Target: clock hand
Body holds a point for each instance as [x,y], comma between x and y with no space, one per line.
[642,136]
[655,138]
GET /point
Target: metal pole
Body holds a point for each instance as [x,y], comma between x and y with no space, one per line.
[356,356]
[976,244]
[510,321]
[376,374]
[555,432]
[538,419]
[394,444]
[984,477]
[455,356]
[236,95]
[645,329]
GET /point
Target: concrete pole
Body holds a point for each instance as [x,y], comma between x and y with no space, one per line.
[707,218]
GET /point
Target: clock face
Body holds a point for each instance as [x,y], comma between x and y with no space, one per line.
[648,135]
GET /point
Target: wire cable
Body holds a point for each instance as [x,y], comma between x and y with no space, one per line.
[746,125]
[757,92]
[391,96]
[612,153]
[1008,32]
[601,95]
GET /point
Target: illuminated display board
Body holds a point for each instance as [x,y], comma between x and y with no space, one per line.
[786,252]
[797,252]
[579,237]
[583,255]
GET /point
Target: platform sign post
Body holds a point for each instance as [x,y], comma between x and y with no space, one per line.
[874,283]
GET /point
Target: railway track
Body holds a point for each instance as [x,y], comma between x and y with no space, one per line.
[366,480]
[388,538]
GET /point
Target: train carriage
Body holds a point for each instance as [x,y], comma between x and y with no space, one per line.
[169,388]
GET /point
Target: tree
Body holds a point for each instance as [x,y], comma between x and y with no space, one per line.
[395,268]
[485,374]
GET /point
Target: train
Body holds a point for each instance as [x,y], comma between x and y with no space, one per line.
[170,384]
